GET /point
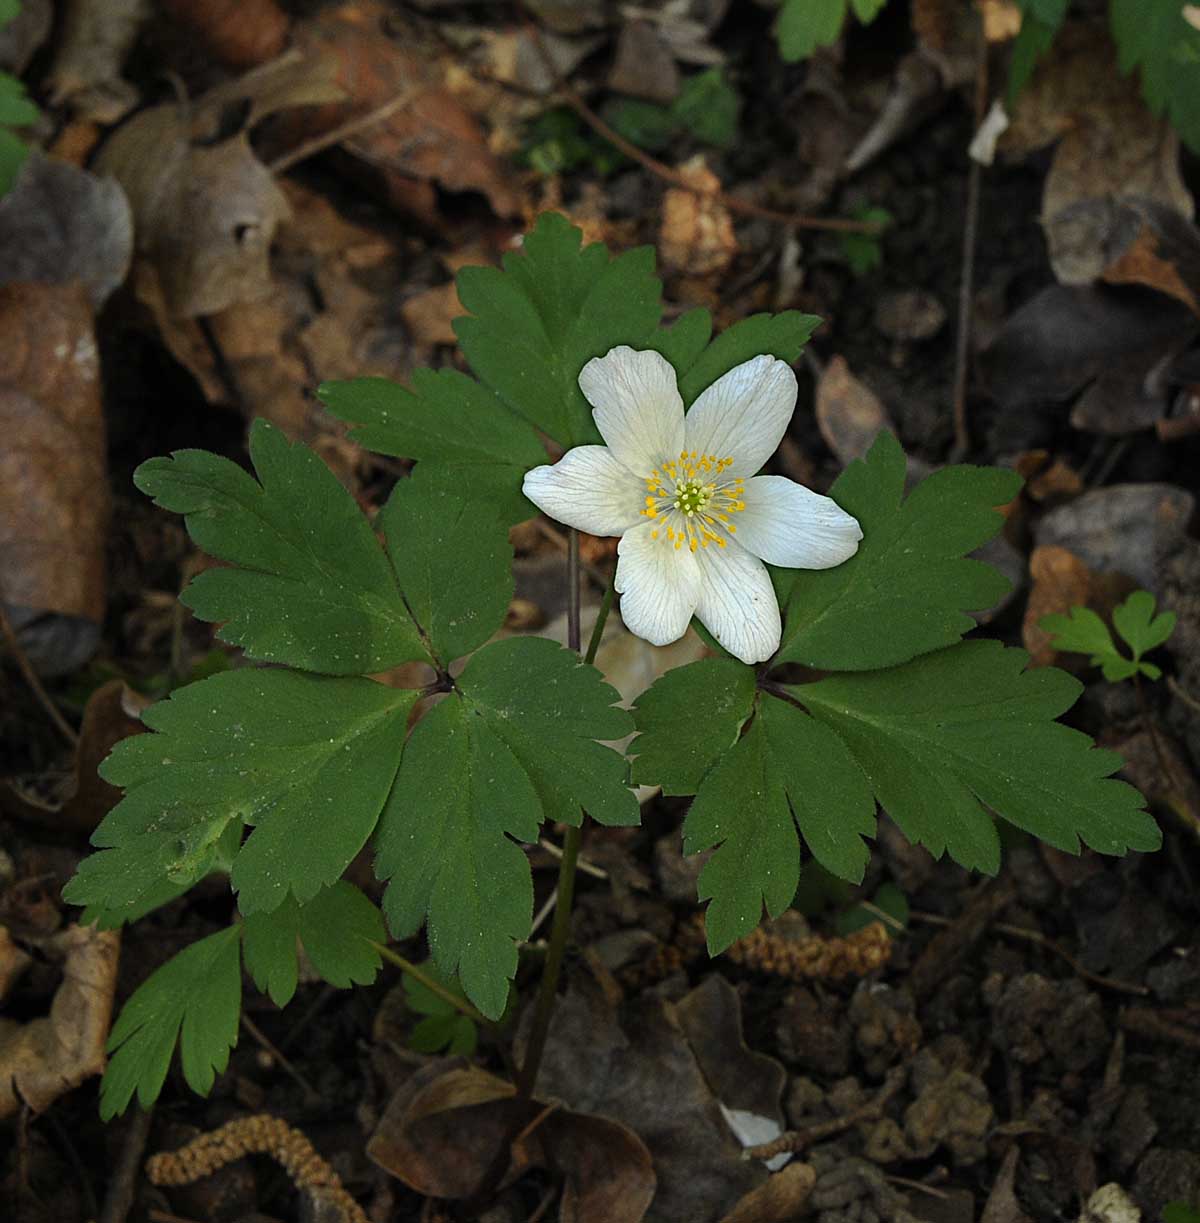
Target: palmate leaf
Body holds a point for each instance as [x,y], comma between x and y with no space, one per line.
[951,733]
[517,738]
[533,326]
[195,998]
[938,742]
[1155,37]
[307,761]
[1141,629]
[446,421]
[1082,631]
[910,585]
[312,587]
[337,927]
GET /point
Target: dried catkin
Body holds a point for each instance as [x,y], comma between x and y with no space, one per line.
[257,1135]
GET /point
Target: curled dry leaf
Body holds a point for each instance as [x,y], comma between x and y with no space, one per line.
[206,209]
[60,224]
[444,1126]
[1152,245]
[238,33]
[82,798]
[782,1199]
[696,236]
[45,1057]
[849,413]
[97,36]
[431,138]
[644,66]
[53,479]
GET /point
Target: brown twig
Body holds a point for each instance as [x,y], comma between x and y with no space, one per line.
[966,290]
[343,131]
[1144,1022]
[286,1066]
[674,177]
[795,1141]
[1183,694]
[31,678]
[123,1186]
[1036,936]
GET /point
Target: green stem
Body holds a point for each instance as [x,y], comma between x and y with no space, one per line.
[601,619]
[548,989]
[434,987]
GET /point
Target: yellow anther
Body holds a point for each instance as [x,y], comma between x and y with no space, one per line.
[692,545]
[720,543]
[678,544]
[732,531]
[654,533]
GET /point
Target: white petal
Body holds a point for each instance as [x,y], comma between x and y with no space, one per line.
[737,603]
[637,406]
[787,524]
[659,585]
[744,414]
[588,489]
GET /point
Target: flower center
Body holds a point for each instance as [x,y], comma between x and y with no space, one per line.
[692,498]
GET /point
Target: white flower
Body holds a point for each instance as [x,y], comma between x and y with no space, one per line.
[695,522]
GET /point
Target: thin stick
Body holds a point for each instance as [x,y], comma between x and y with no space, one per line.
[588,868]
[966,290]
[546,531]
[288,1068]
[434,987]
[601,619]
[1183,694]
[118,1201]
[343,131]
[674,177]
[31,678]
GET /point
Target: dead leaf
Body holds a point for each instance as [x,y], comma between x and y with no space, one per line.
[1128,528]
[432,139]
[53,477]
[696,236]
[430,313]
[849,414]
[644,66]
[1109,147]
[238,33]
[517,58]
[1002,1205]
[60,224]
[45,1057]
[782,1199]
[1060,581]
[21,37]
[13,963]
[97,36]
[1154,246]
[206,209]
[444,1126]
[82,798]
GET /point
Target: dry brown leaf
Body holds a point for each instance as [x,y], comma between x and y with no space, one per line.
[97,35]
[82,798]
[1154,246]
[782,1199]
[430,313]
[53,473]
[21,37]
[444,1126]
[13,962]
[849,414]
[238,33]
[431,139]
[696,236]
[644,65]
[45,1057]
[60,224]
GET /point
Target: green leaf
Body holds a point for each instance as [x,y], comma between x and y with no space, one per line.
[646,124]
[534,325]
[1080,632]
[1032,42]
[779,335]
[687,719]
[1142,630]
[909,587]
[686,338]
[708,108]
[518,738]
[786,770]
[307,761]
[944,736]
[195,998]
[864,251]
[867,10]
[336,927]
[1154,36]
[1180,1212]
[16,110]
[550,708]
[448,853]
[9,11]
[437,534]
[449,421]
[444,1026]
[313,588]
[13,153]
[805,25]
[889,898]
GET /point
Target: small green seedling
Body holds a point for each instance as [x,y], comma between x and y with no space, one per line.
[864,252]
[444,1027]
[1083,632]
